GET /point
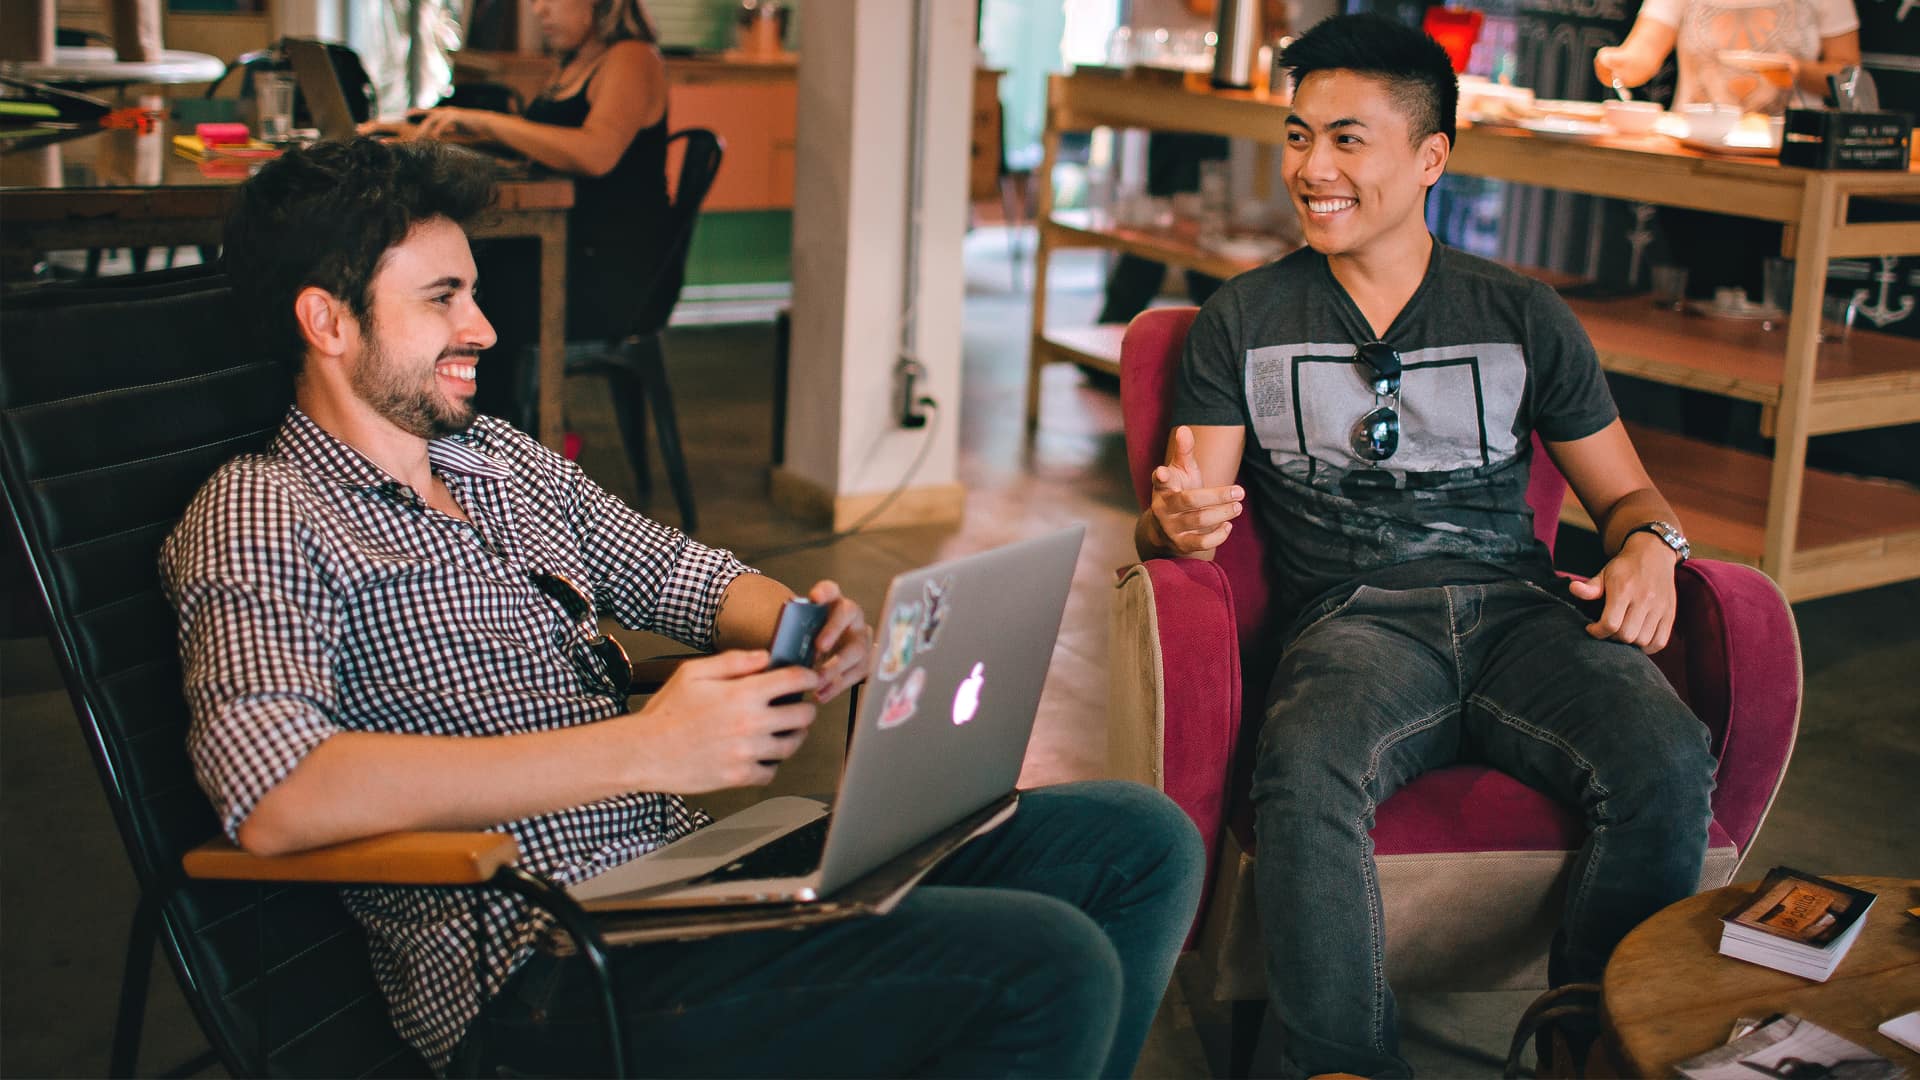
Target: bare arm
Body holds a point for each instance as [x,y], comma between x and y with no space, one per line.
[628,92]
[1195,499]
[708,728]
[1836,52]
[750,610]
[1606,475]
[1639,57]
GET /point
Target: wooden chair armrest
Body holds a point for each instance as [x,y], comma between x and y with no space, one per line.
[403,858]
[651,673]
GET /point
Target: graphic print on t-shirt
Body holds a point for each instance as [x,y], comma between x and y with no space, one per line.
[1457,407]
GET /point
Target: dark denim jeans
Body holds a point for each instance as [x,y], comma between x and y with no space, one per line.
[1389,684]
[1040,949]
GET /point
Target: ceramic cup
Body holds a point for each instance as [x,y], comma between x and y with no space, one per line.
[1710,123]
[1631,117]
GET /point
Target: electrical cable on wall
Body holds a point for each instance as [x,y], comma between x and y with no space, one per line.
[906,481]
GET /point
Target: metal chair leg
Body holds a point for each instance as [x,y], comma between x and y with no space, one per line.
[132,1011]
[630,411]
[651,365]
[586,938]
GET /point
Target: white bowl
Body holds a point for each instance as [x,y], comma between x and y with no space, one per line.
[1631,117]
[1710,123]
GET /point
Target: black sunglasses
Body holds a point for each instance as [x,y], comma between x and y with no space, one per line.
[613,658]
[1376,436]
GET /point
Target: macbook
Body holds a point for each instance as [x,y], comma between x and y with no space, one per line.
[942,730]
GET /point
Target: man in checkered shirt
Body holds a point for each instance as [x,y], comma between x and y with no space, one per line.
[380,631]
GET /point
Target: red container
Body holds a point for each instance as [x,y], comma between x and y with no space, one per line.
[1456,29]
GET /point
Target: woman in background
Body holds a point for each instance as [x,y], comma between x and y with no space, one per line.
[1817,38]
[1716,42]
[1718,46]
[602,120]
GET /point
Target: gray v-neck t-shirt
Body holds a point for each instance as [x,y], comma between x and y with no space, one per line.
[1489,356]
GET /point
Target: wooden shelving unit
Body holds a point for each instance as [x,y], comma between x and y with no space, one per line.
[1816,533]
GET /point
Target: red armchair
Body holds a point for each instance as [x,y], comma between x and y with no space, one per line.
[1472,864]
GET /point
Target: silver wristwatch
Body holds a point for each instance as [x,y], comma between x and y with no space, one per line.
[1669,535]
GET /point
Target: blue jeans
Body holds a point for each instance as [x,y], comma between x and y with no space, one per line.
[1386,685]
[1040,949]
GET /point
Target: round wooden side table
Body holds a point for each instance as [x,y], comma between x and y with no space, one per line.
[1668,994]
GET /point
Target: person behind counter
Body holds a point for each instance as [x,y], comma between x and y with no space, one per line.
[1818,38]
[602,120]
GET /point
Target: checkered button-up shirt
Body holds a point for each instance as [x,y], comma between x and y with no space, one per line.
[317,594]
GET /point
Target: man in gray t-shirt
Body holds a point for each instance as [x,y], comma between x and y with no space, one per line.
[1379,393]
[1487,358]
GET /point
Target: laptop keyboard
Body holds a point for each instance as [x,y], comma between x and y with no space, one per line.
[793,855]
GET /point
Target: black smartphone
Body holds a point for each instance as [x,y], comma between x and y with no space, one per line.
[793,638]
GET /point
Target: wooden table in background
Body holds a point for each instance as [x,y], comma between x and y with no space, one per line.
[126,189]
[1669,994]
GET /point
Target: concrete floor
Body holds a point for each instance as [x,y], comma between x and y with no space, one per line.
[66,894]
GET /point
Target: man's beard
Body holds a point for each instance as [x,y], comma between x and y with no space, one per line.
[415,407]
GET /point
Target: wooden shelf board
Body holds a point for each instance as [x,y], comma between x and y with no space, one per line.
[1094,346]
[1177,244]
[1739,359]
[1853,531]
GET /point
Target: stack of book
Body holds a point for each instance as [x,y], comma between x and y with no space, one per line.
[1797,923]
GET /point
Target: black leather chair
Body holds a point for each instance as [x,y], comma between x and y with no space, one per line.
[116,403]
[634,365]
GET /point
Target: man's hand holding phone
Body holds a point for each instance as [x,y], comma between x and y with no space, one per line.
[842,647]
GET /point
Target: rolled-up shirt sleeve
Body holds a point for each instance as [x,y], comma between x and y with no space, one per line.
[258,640]
[647,575]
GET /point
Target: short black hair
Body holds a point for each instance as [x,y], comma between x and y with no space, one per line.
[325,215]
[1416,68]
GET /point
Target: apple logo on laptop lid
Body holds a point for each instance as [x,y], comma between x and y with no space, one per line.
[966,700]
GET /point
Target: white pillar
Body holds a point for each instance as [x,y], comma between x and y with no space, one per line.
[322,19]
[845,448]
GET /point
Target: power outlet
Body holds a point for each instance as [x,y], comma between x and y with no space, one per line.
[909,407]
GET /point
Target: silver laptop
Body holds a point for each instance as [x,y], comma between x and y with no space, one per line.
[942,730]
[320,84]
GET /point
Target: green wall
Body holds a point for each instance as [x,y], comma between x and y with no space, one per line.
[741,247]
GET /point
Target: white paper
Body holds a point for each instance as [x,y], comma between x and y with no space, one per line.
[1762,1053]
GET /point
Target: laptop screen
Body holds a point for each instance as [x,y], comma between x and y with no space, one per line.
[964,648]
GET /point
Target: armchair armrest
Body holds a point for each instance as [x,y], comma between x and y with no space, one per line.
[652,672]
[1735,657]
[404,858]
[1176,685]
[453,859]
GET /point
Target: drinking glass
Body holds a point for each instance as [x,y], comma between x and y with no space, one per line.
[1836,317]
[1777,292]
[1670,286]
[274,102]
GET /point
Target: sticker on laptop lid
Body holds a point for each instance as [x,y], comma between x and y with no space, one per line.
[937,596]
[903,631]
[903,699]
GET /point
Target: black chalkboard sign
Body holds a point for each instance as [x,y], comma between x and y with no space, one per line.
[1890,45]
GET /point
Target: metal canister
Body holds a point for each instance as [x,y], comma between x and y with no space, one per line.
[1236,34]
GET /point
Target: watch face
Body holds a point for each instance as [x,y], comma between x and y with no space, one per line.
[1671,536]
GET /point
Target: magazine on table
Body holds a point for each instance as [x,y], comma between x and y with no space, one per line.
[1796,922]
[1789,1047]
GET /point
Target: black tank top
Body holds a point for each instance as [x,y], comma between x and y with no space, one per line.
[614,229]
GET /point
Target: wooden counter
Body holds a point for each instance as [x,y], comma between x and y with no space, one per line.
[1859,534]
